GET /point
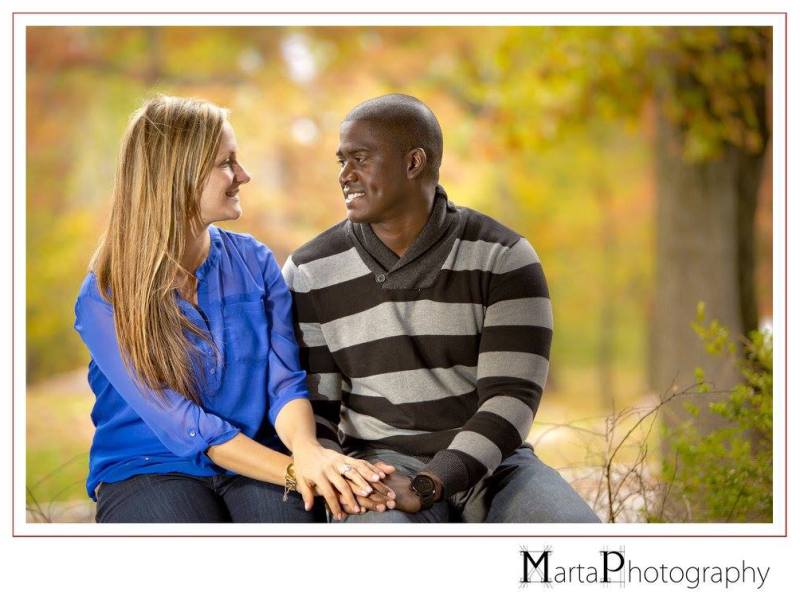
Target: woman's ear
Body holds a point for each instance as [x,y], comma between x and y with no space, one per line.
[416,159]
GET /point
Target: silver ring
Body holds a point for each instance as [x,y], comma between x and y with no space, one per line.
[345,469]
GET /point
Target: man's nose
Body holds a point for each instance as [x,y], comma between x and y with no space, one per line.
[346,175]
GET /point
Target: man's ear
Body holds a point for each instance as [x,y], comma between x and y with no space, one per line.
[416,159]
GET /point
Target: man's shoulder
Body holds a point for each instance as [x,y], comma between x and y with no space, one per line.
[483,228]
[329,242]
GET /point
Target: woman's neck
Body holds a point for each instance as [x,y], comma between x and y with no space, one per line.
[194,253]
[196,250]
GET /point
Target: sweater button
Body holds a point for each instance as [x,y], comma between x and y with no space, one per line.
[380,278]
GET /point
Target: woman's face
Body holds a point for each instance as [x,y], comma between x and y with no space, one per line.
[220,198]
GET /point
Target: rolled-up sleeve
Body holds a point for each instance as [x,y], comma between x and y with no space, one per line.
[181,425]
[286,378]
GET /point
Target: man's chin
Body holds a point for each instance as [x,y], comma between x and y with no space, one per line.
[357,217]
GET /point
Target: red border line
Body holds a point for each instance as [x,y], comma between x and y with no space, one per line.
[785,273]
[397,535]
[13,277]
[399,13]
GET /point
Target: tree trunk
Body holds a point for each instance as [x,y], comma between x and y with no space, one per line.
[608,308]
[704,252]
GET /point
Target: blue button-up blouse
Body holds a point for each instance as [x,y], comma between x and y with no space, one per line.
[245,307]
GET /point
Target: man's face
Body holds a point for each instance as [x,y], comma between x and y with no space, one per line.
[372,175]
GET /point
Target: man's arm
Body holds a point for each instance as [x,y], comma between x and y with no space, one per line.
[512,369]
[324,379]
[325,391]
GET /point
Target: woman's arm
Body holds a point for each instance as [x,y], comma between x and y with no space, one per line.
[182,426]
[247,457]
[314,465]
[331,472]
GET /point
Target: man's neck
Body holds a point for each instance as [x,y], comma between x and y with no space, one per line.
[398,233]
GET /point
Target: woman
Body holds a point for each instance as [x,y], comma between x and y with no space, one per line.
[194,364]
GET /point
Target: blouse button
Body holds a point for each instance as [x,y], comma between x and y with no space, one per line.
[192,433]
[213,370]
[380,278]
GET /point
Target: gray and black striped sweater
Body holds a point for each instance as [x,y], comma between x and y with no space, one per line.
[440,354]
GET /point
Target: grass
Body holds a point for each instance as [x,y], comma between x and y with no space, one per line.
[59,433]
[573,400]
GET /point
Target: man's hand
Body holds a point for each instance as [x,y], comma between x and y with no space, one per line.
[377,502]
[406,499]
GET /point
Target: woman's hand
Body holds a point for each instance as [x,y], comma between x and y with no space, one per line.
[326,472]
[339,479]
[383,497]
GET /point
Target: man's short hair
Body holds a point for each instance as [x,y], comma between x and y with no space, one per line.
[409,121]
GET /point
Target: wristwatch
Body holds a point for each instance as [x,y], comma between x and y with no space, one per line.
[424,487]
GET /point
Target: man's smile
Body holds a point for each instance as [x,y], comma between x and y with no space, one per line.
[352,195]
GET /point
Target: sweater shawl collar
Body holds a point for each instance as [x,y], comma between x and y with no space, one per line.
[420,265]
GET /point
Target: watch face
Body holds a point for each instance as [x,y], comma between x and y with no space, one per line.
[423,485]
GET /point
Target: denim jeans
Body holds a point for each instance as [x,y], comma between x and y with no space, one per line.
[179,498]
[521,490]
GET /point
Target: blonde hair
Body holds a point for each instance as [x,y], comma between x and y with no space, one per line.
[167,154]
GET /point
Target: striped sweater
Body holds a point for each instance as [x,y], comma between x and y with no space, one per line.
[440,354]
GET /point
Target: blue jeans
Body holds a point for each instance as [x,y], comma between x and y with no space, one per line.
[521,490]
[179,498]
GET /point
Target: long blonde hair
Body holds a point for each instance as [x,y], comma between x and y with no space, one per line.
[167,154]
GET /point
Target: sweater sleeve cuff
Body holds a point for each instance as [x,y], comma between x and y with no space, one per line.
[449,467]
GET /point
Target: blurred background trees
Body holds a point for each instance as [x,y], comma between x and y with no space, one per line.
[636,160]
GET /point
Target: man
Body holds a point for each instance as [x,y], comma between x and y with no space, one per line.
[425,329]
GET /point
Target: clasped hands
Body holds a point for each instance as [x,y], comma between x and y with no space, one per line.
[349,484]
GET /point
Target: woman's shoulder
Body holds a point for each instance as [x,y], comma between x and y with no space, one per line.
[246,251]
[89,299]
[243,244]
[89,288]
